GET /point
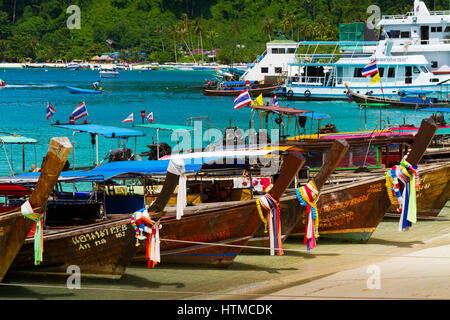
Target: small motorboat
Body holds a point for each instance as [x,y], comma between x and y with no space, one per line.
[109,73]
[84,91]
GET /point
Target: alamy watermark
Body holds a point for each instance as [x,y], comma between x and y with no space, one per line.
[74,280]
[74,20]
[374,280]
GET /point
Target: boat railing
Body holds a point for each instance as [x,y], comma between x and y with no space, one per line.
[409,14]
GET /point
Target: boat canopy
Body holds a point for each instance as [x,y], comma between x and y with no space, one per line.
[282,110]
[124,169]
[164,127]
[316,116]
[106,131]
[17,139]
[436,109]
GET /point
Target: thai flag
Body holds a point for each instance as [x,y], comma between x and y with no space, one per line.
[242,100]
[370,69]
[275,101]
[50,111]
[79,112]
[130,118]
[149,117]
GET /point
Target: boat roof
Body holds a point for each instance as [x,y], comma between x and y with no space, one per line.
[436,109]
[123,169]
[17,139]
[161,126]
[316,115]
[106,131]
[283,110]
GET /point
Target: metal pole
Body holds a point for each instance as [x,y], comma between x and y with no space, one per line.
[96,147]
[157,144]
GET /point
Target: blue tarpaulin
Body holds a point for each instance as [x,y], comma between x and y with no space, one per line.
[436,109]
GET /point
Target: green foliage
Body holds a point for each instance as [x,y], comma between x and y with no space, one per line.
[157,27]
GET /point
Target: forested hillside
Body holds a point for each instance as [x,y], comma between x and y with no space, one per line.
[37,29]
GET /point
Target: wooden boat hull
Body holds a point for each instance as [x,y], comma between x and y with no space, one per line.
[359,98]
[433,192]
[266,91]
[102,249]
[75,90]
[350,212]
[230,226]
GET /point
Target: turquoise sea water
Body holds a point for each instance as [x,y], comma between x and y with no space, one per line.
[166,93]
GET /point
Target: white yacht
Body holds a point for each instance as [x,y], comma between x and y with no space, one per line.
[318,74]
[420,32]
[109,72]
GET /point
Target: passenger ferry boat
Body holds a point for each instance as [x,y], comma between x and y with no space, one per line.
[321,75]
[420,32]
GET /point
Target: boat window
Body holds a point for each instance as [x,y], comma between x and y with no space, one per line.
[381,72]
[434,64]
[391,72]
[339,75]
[264,70]
[424,69]
[291,50]
[278,70]
[405,34]
[274,50]
[447,29]
[416,70]
[439,29]
[357,73]
[395,33]
[433,29]
[281,50]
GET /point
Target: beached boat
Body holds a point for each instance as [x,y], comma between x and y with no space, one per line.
[291,211]
[353,211]
[75,90]
[14,227]
[213,233]
[99,247]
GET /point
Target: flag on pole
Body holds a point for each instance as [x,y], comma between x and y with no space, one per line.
[242,100]
[258,101]
[375,78]
[79,112]
[50,111]
[275,101]
[370,69]
[149,117]
[130,118]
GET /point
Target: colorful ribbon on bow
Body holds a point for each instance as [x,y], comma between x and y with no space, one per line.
[407,201]
[28,212]
[141,222]
[308,196]
[272,223]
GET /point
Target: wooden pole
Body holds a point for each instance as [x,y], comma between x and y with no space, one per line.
[426,133]
[14,226]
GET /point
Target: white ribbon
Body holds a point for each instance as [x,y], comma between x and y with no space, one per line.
[176,166]
[155,252]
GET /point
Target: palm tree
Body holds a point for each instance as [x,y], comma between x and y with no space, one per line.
[161,30]
[198,29]
[182,31]
[173,34]
[289,22]
[211,35]
[268,27]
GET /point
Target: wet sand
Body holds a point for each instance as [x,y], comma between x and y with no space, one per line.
[411,265]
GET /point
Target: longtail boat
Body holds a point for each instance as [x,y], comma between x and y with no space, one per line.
[411,103]
[291,211]
[14,227]
[266,91]
[102,248]
[353,211]
[212,233]
[76,90]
